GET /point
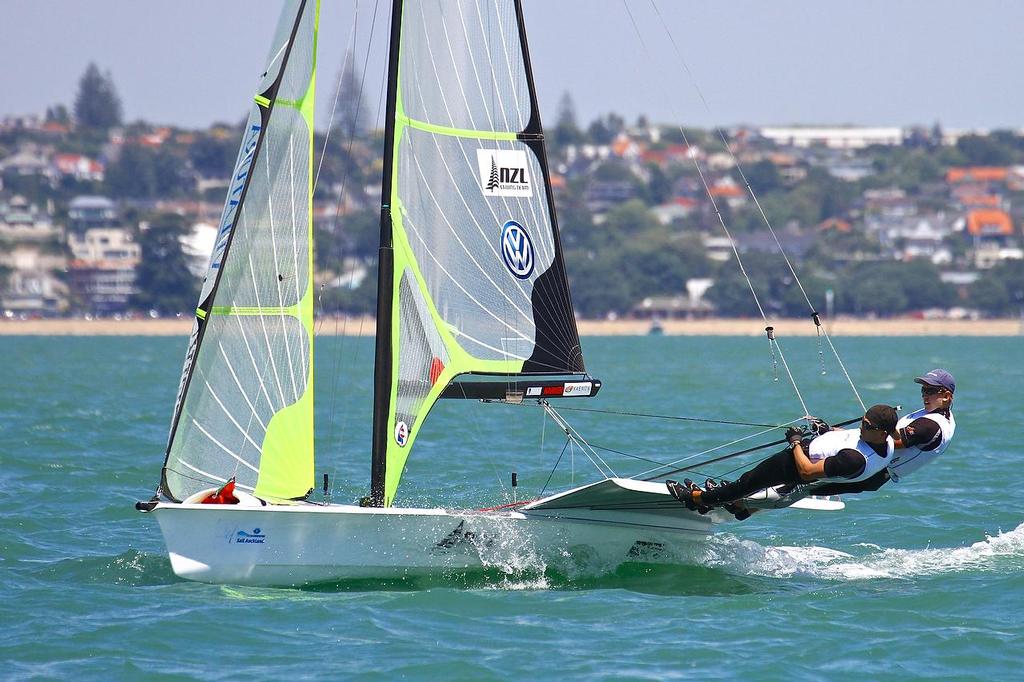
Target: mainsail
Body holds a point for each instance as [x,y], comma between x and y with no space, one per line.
[471,278]
[245,400]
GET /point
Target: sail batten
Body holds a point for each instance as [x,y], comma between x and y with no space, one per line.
[255,423]
[472,279]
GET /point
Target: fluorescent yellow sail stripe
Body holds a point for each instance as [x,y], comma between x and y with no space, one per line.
[403,120]
[262,101]
[293,310]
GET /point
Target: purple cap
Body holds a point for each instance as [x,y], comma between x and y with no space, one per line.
[938,377]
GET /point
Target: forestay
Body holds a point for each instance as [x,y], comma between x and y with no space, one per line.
[245,401]
[478,283]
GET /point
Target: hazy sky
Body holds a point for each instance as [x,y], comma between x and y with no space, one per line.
[190,62]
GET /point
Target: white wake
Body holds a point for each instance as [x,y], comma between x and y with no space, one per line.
[1004,551]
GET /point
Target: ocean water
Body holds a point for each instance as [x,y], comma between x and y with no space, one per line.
[920,580]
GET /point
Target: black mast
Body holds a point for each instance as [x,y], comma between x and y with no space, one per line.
[382,371]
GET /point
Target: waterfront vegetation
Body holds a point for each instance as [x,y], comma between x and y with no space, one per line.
[926,224]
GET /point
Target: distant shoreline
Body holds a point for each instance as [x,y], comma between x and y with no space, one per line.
[710,327]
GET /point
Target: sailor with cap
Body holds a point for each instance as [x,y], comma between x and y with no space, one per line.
[920,437]
[840,457]
[923,435]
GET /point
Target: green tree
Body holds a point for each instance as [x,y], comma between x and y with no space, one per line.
[730,293]
[659,186]
[213,155]
[58,114]
[873,295]
[598,287]
[163,280]
[350,117]
[763,177]
[356,235]
[1000,291]
[982,150]
[567,130]
[97,104]
[989,295]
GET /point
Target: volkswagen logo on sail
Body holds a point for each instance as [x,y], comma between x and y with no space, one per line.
[517,249]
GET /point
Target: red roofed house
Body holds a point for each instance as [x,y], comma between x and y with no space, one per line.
[989,223]
[976,174]
[991,233]
[78,166]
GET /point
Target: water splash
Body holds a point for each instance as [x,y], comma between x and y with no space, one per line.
[1004,551]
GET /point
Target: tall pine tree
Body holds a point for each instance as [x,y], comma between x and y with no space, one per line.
[97,104]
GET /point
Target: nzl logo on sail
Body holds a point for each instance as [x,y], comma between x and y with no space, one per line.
[504,173]
[245,156]
[517,249]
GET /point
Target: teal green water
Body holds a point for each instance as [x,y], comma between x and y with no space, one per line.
[921,580]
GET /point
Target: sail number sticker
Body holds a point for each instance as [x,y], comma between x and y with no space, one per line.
[504,173]
[517,249]
[401,434]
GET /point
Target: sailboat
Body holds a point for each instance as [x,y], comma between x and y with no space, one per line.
[473,303]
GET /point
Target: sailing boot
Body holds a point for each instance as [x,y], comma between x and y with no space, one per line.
[684,493]
[735,507]
[681,493]
[694,488]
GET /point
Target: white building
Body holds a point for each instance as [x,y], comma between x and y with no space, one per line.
[844,137]
[102,271]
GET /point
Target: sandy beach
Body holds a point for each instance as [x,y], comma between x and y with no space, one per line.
[711,327]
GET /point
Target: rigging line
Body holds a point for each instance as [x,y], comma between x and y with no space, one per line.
[337,95]
[478,436]
[732,455]
[555,468]
[338,207]
[667,416]
[757,202]
[687,458]
[575,435]
[718,214]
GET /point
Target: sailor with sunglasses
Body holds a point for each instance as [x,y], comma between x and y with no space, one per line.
[923,435]
[920,436]
[846,456]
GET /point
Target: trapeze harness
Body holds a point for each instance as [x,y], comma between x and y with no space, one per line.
[831,443]
[913,458]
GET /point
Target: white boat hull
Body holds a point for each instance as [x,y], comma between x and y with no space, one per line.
[594,528]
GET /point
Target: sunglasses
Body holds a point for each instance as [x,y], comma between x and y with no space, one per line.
[868,426]
[931,390]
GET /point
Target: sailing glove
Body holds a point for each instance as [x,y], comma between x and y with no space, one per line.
[794,435]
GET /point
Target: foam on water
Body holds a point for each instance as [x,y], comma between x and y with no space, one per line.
[1005,551]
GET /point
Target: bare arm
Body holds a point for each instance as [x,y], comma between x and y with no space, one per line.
[808,470]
